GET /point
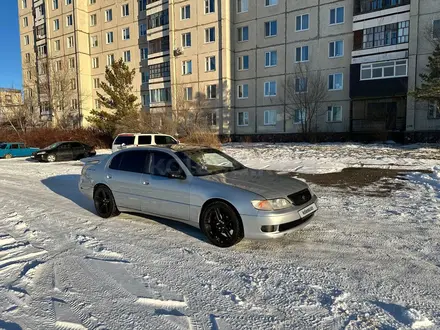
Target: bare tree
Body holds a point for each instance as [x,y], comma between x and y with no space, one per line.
[305,92]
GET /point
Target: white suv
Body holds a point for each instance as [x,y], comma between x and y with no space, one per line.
[128,140]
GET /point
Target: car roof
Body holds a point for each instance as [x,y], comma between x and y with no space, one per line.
[134,134]
[172,147]
[13,142]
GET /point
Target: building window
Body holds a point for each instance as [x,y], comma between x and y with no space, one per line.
[243,118]
[68,2]
[271,58]
[125,10]
[58,65]
[211,119]
[185,12]
[108,15]
[57,45]
[93,20]
[145,99]
[301,85]
[142,30]
[243,91]
[299,116]
[97,104]
[144,53]
[25,21]
[24,4]
[186,39]
[144,77]
[74,104]
[158,19]
[126,34]
[337,15]
[42,50]
[210,64]
[243,62]
[381,70]
[56,24]
[243,33]
[55,4]
[336,49]
[94,41]
[72,84]
[386,35]
[270,117]
[26,40]
[210,34]
[96,83]
[27,57]
[302,22]
[334,114]
[69,20]
[110,59]
[127,56]
[69,42]
[270,29]
[211,91]
[335,82]
[95,62]
[268,3]
[270,88]
[188,94]
[142,5]
[302,54]
[436,29]
[433,111]
[209,6]
[109,37]
[187,67]
[159,70]
[92,2]
[71,63]
[242,6]
[160,95]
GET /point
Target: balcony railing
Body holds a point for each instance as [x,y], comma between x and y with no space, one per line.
[368,6]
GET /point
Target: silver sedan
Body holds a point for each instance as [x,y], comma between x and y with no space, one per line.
[202,187]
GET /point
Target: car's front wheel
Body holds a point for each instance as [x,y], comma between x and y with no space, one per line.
[221,225]
[105,203]
[8,156]
[51,158]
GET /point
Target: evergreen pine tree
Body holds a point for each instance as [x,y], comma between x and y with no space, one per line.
[430,88]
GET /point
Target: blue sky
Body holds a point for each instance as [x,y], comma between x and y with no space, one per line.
[10,62]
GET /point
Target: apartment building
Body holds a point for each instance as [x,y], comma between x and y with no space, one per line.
[10,100]
[235,58]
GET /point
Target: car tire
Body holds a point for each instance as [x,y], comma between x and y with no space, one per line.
[51,158]
[104,201]
[221,224]
[8,156]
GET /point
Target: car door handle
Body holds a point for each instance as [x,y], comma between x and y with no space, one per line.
[109,176]
[145,183]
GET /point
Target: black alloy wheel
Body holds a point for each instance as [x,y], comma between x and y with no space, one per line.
[221,225]
[105,203]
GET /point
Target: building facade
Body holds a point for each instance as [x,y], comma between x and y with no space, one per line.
[10,102]
[244,62]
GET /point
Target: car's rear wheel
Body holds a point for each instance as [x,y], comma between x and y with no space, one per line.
[105,203]
[51,158]
[221,225]
[8,156]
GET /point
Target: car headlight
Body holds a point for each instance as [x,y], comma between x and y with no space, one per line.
[41,153]
[271,204]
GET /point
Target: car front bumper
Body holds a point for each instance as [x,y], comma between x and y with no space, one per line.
[276,223]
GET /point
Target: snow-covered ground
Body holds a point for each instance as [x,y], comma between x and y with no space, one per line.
[367,261]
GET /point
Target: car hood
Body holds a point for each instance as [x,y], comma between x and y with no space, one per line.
[268,184]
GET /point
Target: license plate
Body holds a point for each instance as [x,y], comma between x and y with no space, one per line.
[306,211]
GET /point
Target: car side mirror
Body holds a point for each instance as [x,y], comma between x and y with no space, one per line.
[179,175]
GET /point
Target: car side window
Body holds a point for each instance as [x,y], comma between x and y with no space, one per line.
[116,161]
[133,161]
[14,146]
[76,145]
[64,146]
[162,164]
[163,139]
[144,139]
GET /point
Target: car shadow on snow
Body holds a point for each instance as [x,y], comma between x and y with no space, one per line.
[67,187]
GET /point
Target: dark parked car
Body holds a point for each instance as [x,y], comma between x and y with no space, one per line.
[70,150]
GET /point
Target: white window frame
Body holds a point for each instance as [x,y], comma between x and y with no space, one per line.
[330,111]
[144,77]
[127,56]
[335,14]
[70,42]
[145,98]
[71,63]
[68,2]
[208,9]
[271,33]
[267,122]
[242,6]
[69,20]
[26,40]
[186,95]
[125,10]
[334,49]
[183,12]
[92,2]
[302,116]
[435,34]
[209,92]
[302,18]
[25,21]
[186,65]
[270,3]
[240,63]
[57,45]
[142,30]
[96,83]
[95,62]
[94,41]
[97,104]
[108,15]
[301,54]
[126,33]
[107,37]
[240,34]
[240,90]
[245,118]
[74,104]
[370,67]
[334,79]
[269,83]
[23,4]
[435,109]
[112,57]
[93,20]
[266,58]
[144,54]
[297,81]
[56,24]
[185,40]
[208,67]
[208,35]
[55,4]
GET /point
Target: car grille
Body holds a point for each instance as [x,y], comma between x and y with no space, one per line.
[293,224]
[301,197]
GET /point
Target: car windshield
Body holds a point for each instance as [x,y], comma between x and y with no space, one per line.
[201,162]
[53,145]
[3,146]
